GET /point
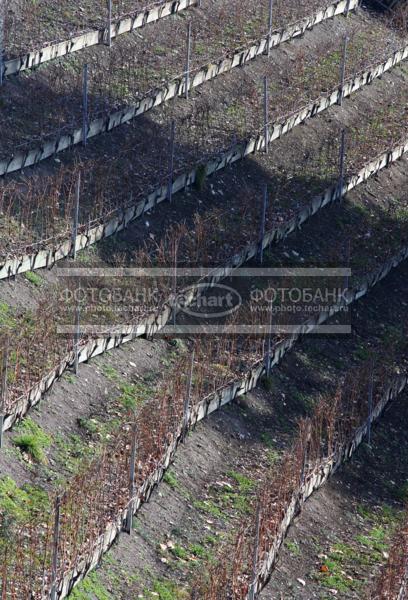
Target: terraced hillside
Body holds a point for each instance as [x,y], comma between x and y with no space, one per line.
[203,300]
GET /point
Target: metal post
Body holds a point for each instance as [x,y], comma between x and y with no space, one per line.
[76,340]
[76,216]
[263,223]
[2,25]
[266,114]
[110,23]
[85,104]
[305,456]
[188,62]
[132,472]
[3,390]
[175,285]
[343,71]
[342,165]
[171,161]
[348,8]
[187,400]
[54,585]
[370,402]
[252,587]
[348,256]
[269,344]
[270,21]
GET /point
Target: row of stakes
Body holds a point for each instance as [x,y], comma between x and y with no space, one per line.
[128,525]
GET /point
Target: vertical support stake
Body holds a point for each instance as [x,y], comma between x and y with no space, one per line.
[252,587]
[263,223]
[85,104]
[171,161]
[110,23]
[55,548]
[76,216]
[3,390]
[342,165]
[269,344]
[76,340]
[348,256]
[266,113]
[343,71]
[132,473]
[2,27]
[175,285]
[187,400]
[188,61]
[370,402]
[270,21]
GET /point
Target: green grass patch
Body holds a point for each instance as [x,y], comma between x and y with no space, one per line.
[179,552]
[166,590]
[34,278]
[293,548]
[18,503]
[91,587]
[171,479]
[32,439]
[6,316]
[209,507]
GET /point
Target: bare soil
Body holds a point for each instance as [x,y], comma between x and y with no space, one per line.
[136,64]
[184,513]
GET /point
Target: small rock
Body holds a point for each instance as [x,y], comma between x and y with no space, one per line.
[301,581]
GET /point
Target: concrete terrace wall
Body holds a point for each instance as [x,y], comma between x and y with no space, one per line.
[176,87]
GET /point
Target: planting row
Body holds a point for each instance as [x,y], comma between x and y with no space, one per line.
[216,474]
[95,497]
[393,581]
[211,239]
[129,77]
[34,34]
[252,22]
[240,95]
[24,213]
[325,441]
